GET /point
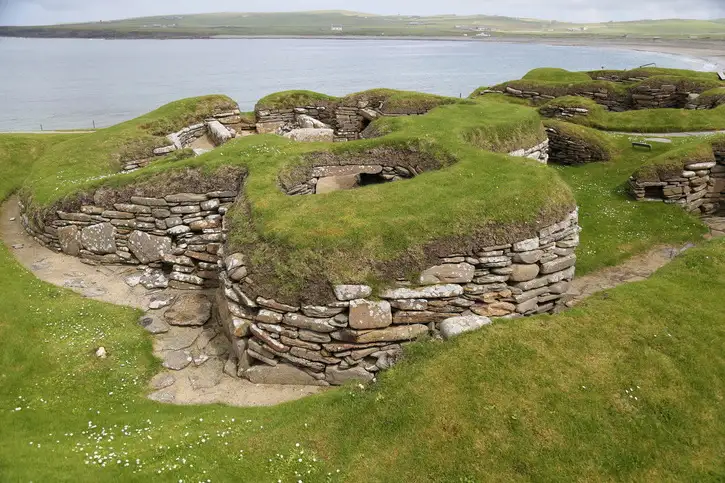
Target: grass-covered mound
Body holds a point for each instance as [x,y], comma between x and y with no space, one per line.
[389,101]
[102,153]
[671,163]
[647,72]
[469,197]
[712,98]
[626,387]
[549,74]
[643,120]
[554,83]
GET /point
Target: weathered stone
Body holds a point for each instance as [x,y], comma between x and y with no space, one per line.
[309,122]
[132,208]
[99,239]
[369,315]
[528,257]
[178,230]
[558,264]
[456,326]
[235,261]
[321,311]
[430,292]
[218,133]
[496,309]
[309,323]
[337,183]
[189,310]
[70,240]
[186,198]
[448,273]
[185,278]
[352,292]
[282,373]
[272,343]
[148,248]
[139,200]
[160,300]
[409,304]
[310,336]
[268,317]
[526,245]
[326,171]
[307,135]
[524,273]
[390,334]
[152,279]
[337,377]
[177,360]
[153,324]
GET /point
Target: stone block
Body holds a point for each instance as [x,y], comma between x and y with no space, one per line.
[99,239]
[148,248]
[456,326]
[365,314]
[448,273]
[70,240]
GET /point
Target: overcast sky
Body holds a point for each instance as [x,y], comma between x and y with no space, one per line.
[29,12]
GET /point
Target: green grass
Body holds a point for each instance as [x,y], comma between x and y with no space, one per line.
[671,163]
[545,398]
[643,120]
[549,74]
[391,101]
[91,156]
[302,243]
[614,226]
[646,72]
[550,398]
[18,153]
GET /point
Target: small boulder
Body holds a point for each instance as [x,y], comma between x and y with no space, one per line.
[456,326]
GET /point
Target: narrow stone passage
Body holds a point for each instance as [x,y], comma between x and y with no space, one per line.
[194,356]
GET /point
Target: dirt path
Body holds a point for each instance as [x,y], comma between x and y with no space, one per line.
[637,268]
[203,379]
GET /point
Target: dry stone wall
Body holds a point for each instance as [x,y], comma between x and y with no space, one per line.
[346,123]
[218,128]
[567,149]
[699,188]
[640,97]
[363,332]
[178,236]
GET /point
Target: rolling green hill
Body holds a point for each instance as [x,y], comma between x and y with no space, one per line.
[340,22]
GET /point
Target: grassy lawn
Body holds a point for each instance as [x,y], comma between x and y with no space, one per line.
[614,226]
[627,386]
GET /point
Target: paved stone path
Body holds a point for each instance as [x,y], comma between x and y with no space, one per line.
[637,268]
[199,353]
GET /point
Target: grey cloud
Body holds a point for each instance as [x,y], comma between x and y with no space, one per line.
[58,11]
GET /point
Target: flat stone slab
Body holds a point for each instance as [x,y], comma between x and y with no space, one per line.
[189,310]
[177,338]
[153,324]
[162,381]
[160,300]
[177,360]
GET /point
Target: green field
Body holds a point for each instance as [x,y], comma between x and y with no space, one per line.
[320,23]
[625,387]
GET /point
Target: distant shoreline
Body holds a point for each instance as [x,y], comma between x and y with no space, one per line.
[709,51]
